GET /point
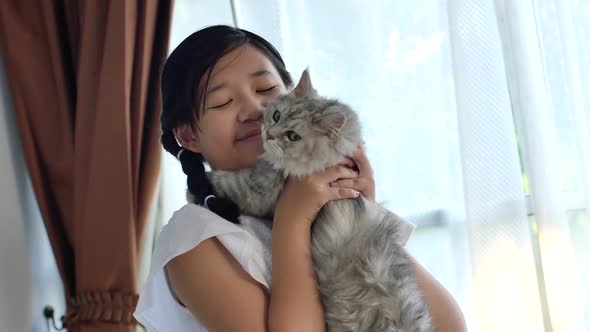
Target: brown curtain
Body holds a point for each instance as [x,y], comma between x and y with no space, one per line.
[84,80]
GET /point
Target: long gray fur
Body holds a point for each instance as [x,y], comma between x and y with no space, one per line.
[365,278]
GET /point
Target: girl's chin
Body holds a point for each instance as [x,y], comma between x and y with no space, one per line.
[251,153]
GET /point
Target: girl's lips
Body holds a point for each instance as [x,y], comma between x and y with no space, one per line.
[254,135]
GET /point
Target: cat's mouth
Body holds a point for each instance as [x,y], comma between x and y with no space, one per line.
[251,134]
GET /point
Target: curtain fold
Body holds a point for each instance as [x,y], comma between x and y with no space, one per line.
[84,80]
[500,245]
[540,123]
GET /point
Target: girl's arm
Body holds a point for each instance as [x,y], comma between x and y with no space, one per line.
[211,283]
[444,311]
[215,288]
[295,301]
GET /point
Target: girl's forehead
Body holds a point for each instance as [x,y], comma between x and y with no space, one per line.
[241,63]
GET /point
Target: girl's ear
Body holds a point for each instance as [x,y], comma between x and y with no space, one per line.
[187,138]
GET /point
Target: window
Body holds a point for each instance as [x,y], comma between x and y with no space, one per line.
[455,136]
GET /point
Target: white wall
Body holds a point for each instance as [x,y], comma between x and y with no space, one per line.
[28,275]
[15,280]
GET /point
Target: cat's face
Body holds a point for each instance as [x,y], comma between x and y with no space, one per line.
[304,132]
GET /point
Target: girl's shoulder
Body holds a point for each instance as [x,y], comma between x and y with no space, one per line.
[193,224]
[188,227]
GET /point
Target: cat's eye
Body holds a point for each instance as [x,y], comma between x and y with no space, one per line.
[292,136]
[276,116]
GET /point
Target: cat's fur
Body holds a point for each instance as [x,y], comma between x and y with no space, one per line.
[364,276]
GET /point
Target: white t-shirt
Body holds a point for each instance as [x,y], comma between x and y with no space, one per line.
[250,242]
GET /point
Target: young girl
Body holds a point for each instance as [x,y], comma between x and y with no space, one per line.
[207,273]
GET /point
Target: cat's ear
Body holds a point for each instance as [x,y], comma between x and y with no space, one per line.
[331,122]
[304,87]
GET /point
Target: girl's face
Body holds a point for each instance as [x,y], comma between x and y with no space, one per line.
[241,85]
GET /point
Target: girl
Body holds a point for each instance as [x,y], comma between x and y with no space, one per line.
[207,273]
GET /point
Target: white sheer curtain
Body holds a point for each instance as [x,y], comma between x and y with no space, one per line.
[476,116]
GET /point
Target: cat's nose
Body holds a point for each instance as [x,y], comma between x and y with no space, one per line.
[269,136]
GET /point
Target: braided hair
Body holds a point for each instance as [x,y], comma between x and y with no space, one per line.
[197,183]
[184,69]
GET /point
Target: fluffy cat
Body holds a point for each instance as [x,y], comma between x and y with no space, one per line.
[365,279]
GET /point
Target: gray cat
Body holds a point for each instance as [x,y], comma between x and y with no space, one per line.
[365,279]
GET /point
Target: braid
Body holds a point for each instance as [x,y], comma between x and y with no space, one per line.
[197,182]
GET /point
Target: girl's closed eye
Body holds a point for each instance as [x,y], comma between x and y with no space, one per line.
[227,103]
[221,105]
[266,90]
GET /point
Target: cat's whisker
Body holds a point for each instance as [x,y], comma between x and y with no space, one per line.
[278,147]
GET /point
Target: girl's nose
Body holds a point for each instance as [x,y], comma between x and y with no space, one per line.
[252,109]
[250,115]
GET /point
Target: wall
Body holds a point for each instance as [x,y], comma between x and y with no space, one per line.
[28,275]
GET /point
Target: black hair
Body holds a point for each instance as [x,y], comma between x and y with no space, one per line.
[182,99]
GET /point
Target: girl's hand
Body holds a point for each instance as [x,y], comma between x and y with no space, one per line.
[302,199]
[365,182]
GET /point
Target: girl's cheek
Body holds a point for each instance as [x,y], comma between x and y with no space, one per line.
[225,128]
